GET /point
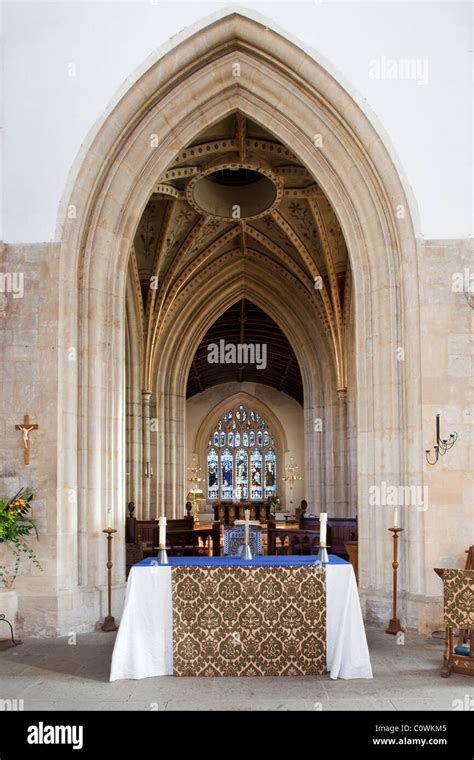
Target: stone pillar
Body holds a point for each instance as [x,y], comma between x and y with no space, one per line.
[146,490]
[153,459]
[135,466]
[340,457]
[314,469]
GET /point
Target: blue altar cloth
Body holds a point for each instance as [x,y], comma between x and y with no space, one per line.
[283,559]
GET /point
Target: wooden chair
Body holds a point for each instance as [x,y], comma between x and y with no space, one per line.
[458,614]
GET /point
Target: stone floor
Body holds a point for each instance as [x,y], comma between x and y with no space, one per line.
[53,674]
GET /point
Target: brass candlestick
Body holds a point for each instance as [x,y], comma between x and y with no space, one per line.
[195,493]
[109,622]
[291,477]
[394,626]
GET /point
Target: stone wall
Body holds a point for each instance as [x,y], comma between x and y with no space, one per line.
[29,385]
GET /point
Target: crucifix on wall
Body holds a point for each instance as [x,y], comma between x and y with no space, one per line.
[26,427]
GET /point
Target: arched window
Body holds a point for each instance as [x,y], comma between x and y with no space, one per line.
[241,457]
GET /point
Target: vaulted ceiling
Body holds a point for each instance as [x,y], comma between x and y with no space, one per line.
[246,324]
[182,228]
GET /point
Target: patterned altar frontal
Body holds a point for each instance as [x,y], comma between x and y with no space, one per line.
[459,598]
[249,621]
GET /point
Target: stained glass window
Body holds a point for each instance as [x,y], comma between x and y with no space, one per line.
[241,474]
[212,474]
[256,474]
[241,457]
[270,473]
[227,462]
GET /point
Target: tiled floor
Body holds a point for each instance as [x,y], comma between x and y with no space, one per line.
[52,674]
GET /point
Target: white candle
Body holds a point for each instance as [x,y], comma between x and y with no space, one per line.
[246,526]
[395,517]
[162,524]
[323,519]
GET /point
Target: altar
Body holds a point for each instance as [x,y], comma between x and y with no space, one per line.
[222,616]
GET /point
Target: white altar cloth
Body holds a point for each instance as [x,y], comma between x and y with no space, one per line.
[144,644]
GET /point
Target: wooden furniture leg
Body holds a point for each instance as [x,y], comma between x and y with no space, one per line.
[446,672]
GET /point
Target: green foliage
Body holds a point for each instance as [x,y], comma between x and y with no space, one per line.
[274,502]
[15,525]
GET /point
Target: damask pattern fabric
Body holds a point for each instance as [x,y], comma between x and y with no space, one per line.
[249,621]
[459,598]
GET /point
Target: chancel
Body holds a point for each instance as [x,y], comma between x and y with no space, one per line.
[247,317]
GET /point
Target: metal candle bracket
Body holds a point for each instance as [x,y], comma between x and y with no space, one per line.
[442,445]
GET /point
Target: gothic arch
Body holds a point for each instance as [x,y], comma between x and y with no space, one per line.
[239,398]
[284,88]
[247,399]
[195,313]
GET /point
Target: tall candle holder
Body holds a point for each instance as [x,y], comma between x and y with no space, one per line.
[109,622]
[394,625]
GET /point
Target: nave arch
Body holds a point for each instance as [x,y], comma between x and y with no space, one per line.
[284,88]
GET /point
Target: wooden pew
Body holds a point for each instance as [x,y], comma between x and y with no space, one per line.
[342,529]
[187,542]
[295,540]
[227,511]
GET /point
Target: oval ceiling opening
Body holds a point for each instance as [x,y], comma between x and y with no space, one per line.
[233,193]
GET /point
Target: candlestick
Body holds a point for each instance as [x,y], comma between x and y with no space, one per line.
[323,519]
[394,626]
[109,621]
[291,477]
[162,556]
[246,552]
[162,533]
[195,493]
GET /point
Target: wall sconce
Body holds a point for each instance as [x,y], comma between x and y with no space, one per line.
[148,470]
[442,445]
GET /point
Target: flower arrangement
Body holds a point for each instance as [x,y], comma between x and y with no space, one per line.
[274,502]
[15,525]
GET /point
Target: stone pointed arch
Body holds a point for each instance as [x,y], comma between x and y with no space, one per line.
[283,88]
[194,314]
